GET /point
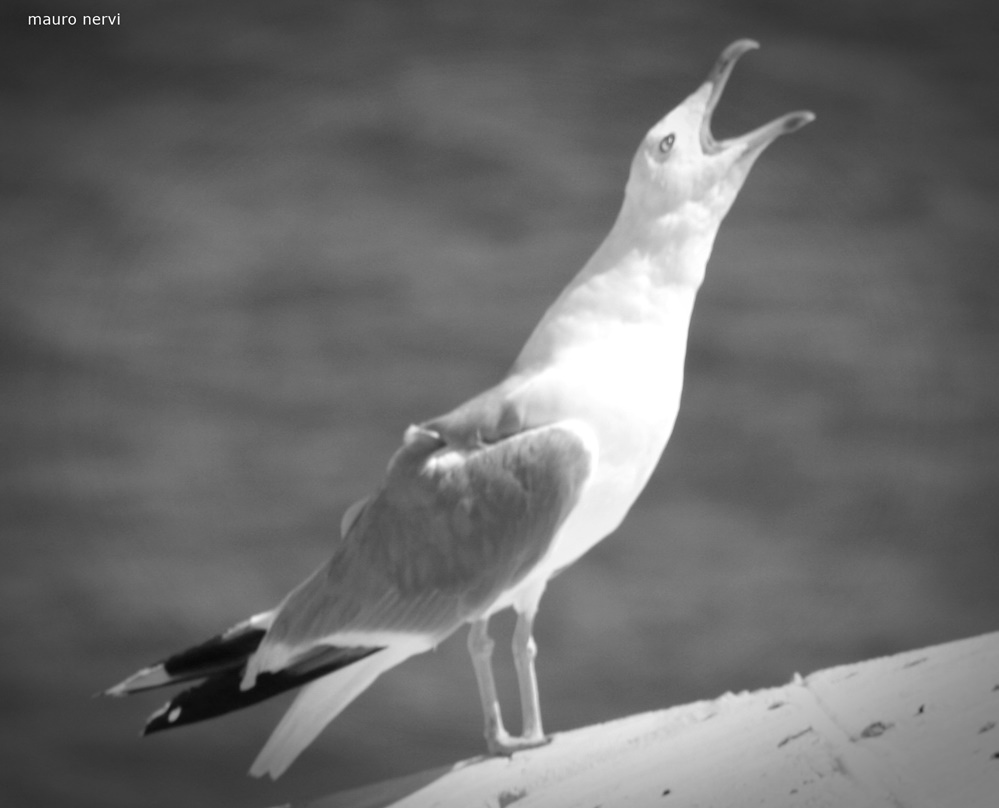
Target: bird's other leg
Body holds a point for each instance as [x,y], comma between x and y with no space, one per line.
[524,652]
[480,647]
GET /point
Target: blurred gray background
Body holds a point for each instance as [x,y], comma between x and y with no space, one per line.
[245,244]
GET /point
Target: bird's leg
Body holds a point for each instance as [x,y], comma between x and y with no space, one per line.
[480,646]
[524,652]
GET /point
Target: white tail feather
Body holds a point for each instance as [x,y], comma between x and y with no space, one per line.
[320,702]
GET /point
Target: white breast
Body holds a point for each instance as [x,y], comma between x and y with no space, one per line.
[626,384]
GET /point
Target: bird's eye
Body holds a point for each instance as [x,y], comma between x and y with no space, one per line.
[666,143]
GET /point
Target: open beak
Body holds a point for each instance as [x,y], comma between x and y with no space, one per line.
[758,138]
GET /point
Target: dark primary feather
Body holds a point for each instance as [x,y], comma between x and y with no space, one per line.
[221,661]
[221,693]
[222,652]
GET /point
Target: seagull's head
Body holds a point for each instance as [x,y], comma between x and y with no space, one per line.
[680,164]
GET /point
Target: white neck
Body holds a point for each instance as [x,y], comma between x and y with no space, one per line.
[647,271]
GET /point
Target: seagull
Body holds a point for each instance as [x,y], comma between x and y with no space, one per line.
[480,507]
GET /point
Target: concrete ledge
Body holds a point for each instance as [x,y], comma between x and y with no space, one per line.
[916,729]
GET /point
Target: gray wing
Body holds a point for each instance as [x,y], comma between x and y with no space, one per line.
[454,524]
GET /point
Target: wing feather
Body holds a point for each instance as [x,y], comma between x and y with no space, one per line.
[451,528]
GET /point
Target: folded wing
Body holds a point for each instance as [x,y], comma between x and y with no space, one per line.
[451,528]
[461,517]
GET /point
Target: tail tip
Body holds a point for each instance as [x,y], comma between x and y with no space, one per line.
[262,769]
[273,760]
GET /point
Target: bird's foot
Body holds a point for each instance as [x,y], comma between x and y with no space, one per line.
[506,745]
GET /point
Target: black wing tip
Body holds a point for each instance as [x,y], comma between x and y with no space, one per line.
[223,652]
[223,693]
[146,679]
[164,718]
[226,650]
